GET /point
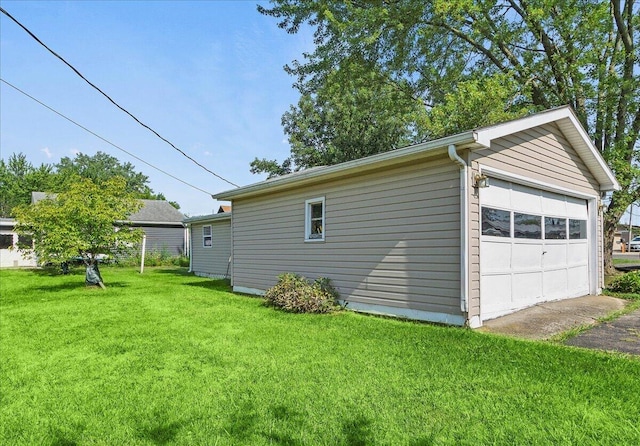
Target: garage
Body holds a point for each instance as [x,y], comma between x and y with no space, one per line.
[534,247]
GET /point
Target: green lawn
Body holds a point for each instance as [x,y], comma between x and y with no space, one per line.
[168,358]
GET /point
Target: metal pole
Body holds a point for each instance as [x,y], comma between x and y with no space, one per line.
[144,248]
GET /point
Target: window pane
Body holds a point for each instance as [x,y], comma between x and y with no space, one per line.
[206,230]
[25,241]
[6,241]
[527,226]
[577,229]
[555,228]
[496,222]
[316,229]
[207,241]
[316,210]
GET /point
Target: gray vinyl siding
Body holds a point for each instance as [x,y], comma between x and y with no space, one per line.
[391,237]
[540,153]
[211,261]
[170,239]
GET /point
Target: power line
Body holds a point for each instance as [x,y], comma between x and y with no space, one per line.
[103,139]
[111,100]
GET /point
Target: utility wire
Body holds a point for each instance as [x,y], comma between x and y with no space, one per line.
[103,139]
[111,100]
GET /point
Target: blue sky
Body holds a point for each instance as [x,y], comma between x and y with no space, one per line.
[206,75]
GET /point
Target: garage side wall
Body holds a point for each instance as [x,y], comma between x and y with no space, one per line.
[392,240]
[211,261]
[542,154]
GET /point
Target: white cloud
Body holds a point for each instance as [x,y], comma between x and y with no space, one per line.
[207,153]
[47,152]
[74,152]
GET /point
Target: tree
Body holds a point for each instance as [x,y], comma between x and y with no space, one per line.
[18,178]
[357,112]
[87,221]
[578,52]
[101,167]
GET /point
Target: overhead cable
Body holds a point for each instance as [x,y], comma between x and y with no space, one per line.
[111,100]
[102,138]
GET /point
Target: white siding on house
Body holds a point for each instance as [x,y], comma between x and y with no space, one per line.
[391,238]
[211,261]
[12,257]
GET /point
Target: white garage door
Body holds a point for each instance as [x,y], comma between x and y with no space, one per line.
[533,248]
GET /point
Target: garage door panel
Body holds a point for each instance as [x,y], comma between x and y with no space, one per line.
[555,284]
[527,288]
[526,256]
[576,208]
[498,194]
[553,204]
[578,282]
[498,258]
[555,255]
[498,299]
[524,200]
[577,253]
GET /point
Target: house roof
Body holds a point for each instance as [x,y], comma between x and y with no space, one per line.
[563,117]
[157,211]
[152,211]
[224,208]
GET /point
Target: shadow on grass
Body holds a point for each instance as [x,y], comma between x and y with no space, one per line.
[357,431]
[162,433]
[215,285]
[79,285]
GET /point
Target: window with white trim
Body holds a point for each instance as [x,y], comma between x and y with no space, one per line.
[207,238]
[6,241]
[314,220]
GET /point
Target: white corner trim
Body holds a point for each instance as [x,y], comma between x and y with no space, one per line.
[419,315]
[245,290]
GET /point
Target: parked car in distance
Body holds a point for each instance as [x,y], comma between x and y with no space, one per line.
[634,244]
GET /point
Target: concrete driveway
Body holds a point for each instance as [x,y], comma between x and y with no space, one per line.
[548,319]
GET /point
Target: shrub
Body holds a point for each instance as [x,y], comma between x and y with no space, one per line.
[295,294]
[628,283]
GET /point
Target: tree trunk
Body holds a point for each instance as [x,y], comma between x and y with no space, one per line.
[93,277]
[609,230]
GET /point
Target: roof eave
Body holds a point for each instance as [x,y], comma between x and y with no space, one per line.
[362,164]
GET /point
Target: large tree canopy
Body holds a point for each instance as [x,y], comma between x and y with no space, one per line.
[87,221]
[18,178]
[514,56]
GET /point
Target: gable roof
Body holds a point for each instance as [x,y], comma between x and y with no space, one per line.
[563,117]
[157,211]
[208,218]
[152,211]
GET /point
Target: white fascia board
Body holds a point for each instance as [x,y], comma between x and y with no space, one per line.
[205,218]
[359,165]
[570,126]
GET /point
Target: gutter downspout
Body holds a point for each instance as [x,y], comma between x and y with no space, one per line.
[464,219]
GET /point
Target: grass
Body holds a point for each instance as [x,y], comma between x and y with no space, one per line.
[168,358]
[627,261]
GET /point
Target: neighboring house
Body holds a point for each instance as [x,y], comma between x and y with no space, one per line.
[210,245]
[161,223]
[457,230]
[9,242]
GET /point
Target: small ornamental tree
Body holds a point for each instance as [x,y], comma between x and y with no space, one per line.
[86,221]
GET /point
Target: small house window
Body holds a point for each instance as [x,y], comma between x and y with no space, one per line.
[6,241]
[555,228]
[577,229]
[207,239]
[527,226]
[25,242]
[496,222]
[314,220]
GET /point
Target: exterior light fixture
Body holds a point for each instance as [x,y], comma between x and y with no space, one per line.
[480,181]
